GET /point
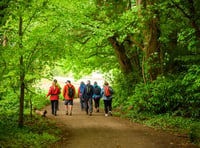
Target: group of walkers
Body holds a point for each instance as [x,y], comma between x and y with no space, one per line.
[86,92]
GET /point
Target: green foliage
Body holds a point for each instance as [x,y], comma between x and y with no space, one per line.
[194,133]
[178,96]
[119,82]
[35,133]
[10,103]
[166,122]
[75,35]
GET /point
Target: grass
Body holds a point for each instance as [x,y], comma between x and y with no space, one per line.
[37,132]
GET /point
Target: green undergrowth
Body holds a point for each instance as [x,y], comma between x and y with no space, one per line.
[189,127]
[9,103]
[37,132]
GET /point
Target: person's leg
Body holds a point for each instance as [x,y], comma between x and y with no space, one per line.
[71,106]
[95,104]
[52,107]
[110,106]
[70,109]
[81,102]
[106,107]
[86,106]
[66,106]
[55,106]
[58,105]
[91,106]
[93,101]
[98,99]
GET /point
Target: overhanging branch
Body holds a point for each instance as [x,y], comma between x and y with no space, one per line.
[181,9]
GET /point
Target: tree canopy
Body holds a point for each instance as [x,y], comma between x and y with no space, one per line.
[140,41]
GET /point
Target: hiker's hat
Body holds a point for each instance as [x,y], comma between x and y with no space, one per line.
[68,81]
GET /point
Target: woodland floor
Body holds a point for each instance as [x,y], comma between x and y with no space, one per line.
[98,131]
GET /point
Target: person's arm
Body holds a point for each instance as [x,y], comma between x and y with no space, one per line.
[111,90]
[78,92]
[64,91]
[83,94]
[92,90]
[74,91]
[49,92]
[59,90]
[58,85]
[100,90]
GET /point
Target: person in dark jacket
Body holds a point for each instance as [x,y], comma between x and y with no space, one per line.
[87,95]
[96,96]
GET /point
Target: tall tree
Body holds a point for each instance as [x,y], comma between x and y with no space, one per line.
[32,44]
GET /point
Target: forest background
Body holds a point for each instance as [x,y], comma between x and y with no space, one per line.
[150,51]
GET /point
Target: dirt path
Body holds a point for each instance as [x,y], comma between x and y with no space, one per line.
[98,131]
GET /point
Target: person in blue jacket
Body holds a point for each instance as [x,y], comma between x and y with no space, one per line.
[80,95]
[107,93]
[96,96]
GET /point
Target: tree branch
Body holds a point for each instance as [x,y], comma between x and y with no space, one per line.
[181,9]
[138,44]
[29,22]
[30,90]
[97,53]
[84,42]
[32,54]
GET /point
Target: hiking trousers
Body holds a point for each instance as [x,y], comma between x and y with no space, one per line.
[54,106]
[96,102]
[107,105]
[82,102]
[88,105]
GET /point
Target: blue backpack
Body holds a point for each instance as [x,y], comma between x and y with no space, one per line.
[82,88]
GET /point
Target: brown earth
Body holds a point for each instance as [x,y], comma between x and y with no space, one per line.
[98,131]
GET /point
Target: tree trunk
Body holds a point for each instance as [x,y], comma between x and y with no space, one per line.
[134,56]
[194,19]
[22,76]
[22,87]
[31,109]
[152,48]
[124,61]
[5,40]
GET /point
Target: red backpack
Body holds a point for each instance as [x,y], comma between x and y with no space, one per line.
[107,91]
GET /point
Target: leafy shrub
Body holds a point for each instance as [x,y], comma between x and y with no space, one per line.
[178,95]
[123,88]
[194,133]
[161,96]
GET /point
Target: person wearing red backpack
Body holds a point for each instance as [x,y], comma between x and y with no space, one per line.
[68,94]
[107,93]
[54,91]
